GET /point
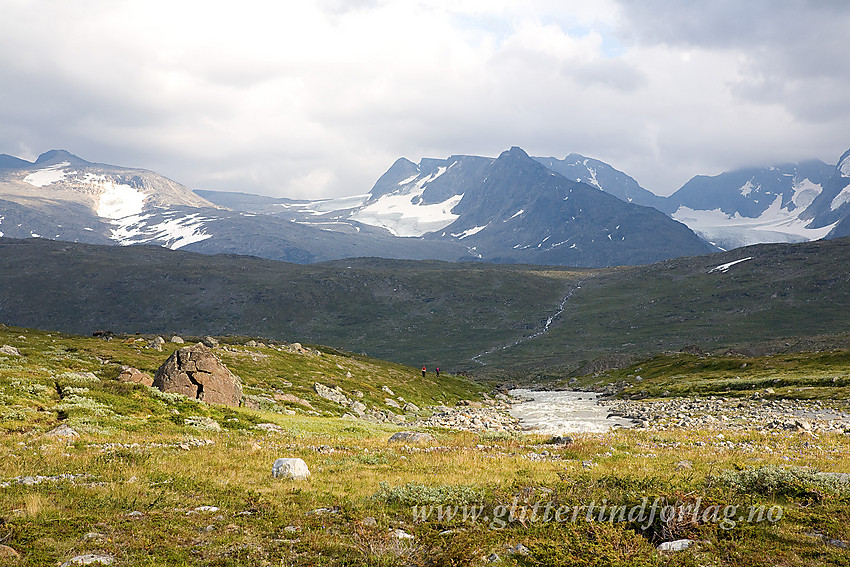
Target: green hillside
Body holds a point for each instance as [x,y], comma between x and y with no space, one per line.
[485,318]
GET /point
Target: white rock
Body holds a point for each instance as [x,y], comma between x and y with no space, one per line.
[9,350]
[678,545]
[89,559]
[293,468]
[400,534]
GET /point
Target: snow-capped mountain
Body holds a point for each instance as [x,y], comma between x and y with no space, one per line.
[754,205]
[64,197]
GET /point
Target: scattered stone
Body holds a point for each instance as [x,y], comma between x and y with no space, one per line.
[678,545]
[411,407]
[251,344]
[357,394]
[157,343]
[9,350]
[358,407]
[386,389]
[210,342]
[519,549]
[203,509]
[135,514]
[560,440]
[684,465]
[7,552]
[89,559]
[130,374]
[400,534]
[269,427]
[493,558]
[197,373]
[292,468]
[392,403]
[370,522]
[333,394]
[769,391]
[177,340]
[63,430]
[290,529]
[411,437]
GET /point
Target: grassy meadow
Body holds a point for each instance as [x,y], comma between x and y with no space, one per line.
[157,479]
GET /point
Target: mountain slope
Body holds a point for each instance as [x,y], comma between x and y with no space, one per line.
[530,319]
[604,177]
[524,212]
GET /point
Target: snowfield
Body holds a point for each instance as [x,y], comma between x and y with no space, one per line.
[48,175]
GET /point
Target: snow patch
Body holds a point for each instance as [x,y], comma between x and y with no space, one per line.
[173,231]
[516,214]
[844,167]
[408,180]
[748,187]
[469,232]
[840,199]
[775,224]
[723,268]
[805,192]
[48,175]
[117,200]
[403,214]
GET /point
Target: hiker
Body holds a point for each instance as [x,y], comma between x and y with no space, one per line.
[423,372]
[438,372]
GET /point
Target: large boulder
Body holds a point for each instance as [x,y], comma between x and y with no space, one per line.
[293,468]
[197,373]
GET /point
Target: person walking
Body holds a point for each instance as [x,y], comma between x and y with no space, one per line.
[438,372]
[423,372]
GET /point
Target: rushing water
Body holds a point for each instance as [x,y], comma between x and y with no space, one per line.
[556,413]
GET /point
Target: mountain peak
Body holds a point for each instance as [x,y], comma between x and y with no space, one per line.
[54,157]
[515,151]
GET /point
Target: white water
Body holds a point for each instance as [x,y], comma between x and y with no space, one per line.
[556,413]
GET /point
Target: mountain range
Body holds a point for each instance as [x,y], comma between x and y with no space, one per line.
[575,211]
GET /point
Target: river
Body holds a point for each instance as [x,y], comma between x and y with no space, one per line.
[559,412]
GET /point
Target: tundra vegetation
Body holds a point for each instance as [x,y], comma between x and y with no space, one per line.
[159,479]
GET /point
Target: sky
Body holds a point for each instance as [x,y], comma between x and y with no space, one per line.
[316,99]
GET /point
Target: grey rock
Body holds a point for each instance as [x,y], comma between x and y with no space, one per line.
[177,340]
[198,373]
[411,407]
[678,545]
[386,389]
[333,394]
[89,559]
[210,342]
[291,468]
[9,350]
[411,437]
[358,407]
[63,430]
[519,549]
[839,476]
[370,522]
[392,403]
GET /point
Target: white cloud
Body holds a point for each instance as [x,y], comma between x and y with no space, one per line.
[317,99]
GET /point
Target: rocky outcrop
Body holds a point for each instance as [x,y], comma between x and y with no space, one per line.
[333,394]
[197,373]
[411,437]
[9,350]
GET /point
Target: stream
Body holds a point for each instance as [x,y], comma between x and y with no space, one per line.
[559,412]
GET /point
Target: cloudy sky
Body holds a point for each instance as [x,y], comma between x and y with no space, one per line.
[317,98]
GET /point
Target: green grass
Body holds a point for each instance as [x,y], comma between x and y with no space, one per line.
[804,375]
